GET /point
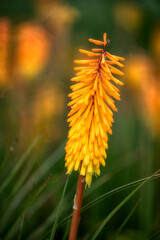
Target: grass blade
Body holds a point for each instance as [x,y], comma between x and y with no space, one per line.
[21,227]
[41,232]
[28,205]
[108,194]
[58,211]
[127,218]
[116,190]
[119,206]
[65,236]
[34,179]
[104,196]
[19,164]
[4,162]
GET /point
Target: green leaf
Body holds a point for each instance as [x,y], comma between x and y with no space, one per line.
[119,206]
[104,196]
[34,179]
[108,194]
[28,205]
[58,211]
[126,219]
[116,190]
[65,236]
[21,227]
[19,164]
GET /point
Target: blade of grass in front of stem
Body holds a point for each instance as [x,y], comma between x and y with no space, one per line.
[58,211]
[127,219]
[28,205]
[21,227]
[108,194]
[119,206]
[19,164]
[116,190]
[102,197]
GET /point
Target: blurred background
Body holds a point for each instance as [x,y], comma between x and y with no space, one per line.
[38,42]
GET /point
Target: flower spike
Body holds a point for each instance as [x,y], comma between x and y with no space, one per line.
[91,115]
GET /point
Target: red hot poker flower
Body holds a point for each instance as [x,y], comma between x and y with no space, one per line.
[91,113]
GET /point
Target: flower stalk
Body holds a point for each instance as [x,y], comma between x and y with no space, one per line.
[91,118]
[77,208]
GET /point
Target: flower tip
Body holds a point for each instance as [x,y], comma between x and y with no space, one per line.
[69,104]
[120,58]
[97,42]
[105,38]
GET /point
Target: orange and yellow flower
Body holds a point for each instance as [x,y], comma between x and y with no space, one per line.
[91,113]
